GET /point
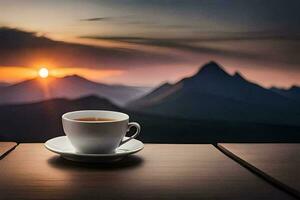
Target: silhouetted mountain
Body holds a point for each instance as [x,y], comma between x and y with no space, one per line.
[292,93]
[37,122]
[67,87]
[212,93]
[3,84]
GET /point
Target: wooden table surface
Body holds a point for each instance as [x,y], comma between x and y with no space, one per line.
[160,171]
[5,147]
[279,163]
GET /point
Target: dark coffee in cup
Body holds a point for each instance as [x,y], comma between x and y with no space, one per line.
[95,119]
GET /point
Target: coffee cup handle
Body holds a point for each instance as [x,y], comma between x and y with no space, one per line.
[138,129]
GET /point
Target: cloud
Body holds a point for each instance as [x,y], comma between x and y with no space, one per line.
[265,46]
[136,21]
[207,36]
[21,48]
[96,19]
[181,44]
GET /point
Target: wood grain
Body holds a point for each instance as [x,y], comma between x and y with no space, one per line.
[5,147]
[278,163]
[160,171]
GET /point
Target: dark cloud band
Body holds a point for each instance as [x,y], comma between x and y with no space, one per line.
[95,19]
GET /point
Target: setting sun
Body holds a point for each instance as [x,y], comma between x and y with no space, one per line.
[43,72]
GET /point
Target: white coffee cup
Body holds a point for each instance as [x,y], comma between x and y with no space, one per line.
[94,137]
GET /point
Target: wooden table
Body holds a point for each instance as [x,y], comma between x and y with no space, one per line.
[160,171]
[6,147]
[279,163]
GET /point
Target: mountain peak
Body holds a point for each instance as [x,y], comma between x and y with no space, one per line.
[237,75]
[73,76]
[211,68]
[294,87]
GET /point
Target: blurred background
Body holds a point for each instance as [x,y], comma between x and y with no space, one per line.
[189,71]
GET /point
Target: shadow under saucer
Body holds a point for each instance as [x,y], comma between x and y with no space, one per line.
[130,161]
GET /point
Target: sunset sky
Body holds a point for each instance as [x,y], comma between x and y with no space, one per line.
[147,42]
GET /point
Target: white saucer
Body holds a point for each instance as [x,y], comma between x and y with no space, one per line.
[62,146]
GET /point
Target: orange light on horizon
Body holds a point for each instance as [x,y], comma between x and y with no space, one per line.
[17,74]
[92,74]
[43,72]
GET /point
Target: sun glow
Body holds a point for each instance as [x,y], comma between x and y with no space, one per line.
[43,72]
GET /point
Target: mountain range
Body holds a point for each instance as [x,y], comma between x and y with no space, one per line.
[40,121]
[71,87]
[212,93]
[292,93]
[209,107]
